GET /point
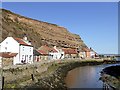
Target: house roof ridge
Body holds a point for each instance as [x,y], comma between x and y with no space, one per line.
[21,41]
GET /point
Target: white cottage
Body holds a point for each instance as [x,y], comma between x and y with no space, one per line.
[22,47]
[59,54]
[53,52]
[92,53]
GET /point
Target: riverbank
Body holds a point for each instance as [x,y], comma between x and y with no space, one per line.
[111,76]
[53,76]
[56,79]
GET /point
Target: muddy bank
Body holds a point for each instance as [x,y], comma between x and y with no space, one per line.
[111,76]
[56,79]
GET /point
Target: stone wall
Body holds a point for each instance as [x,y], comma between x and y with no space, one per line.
[7,61]
[21,73]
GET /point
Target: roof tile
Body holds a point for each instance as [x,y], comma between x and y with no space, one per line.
[8,54]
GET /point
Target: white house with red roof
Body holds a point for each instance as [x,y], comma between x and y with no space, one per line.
[40,55]
[70,52]
[58,53]
[53,52]
[20,49]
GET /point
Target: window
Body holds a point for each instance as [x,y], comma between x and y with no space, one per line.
[6,42]
[23,48]
[30,49]
[5,48]
[22,57]
[30,57]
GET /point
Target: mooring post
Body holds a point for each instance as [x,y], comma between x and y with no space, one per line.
[32,76]
[3,79]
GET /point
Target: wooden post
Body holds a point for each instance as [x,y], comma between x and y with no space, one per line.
[3,79]
[32,76]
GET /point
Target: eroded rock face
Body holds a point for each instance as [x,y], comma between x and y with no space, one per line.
[38,32]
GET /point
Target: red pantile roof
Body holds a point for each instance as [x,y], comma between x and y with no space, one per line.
[20,41]
[47,49]
[42,52]
[70,51]
[8,54]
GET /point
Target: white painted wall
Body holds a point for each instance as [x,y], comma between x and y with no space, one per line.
[57,55]
[26,53]
[92,53]
[16,59]
[54,55]
[9,45]
[83,55]
[61,53]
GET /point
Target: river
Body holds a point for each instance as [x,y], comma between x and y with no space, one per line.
[85,77]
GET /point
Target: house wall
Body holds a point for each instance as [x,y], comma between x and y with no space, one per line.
[60,53]
[16,59]
[40,58]
[43,57]
[82,54]
[67,55]
[26,54]
[50,57]
[9,45]
[56,55]
[88,54]
[92,54]
[36,58]
[74,55]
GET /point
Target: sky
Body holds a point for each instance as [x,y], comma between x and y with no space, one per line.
[95,22]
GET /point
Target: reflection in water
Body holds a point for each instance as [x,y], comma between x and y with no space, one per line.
[85,77]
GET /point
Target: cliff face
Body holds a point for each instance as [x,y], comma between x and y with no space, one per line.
[38,32]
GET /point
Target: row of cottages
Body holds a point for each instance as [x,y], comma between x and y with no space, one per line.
[86,52]
[20,49]
[48,53]
[70,53]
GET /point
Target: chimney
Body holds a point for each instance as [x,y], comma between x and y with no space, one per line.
[54,47]
[25,37]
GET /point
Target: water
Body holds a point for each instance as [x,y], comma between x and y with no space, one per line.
[85,77]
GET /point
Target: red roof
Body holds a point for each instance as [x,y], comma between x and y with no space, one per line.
[20,41]
[42,52]
[8,54]
[70,51]
[47,49]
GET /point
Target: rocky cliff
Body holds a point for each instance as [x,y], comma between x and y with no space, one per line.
[38,32]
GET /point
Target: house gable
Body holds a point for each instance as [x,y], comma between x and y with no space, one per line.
[9,45]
